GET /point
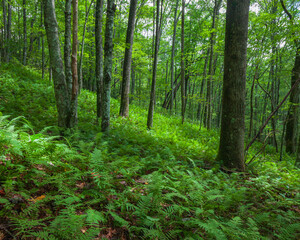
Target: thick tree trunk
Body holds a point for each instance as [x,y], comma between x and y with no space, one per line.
[24,33]
[67,46]
[293,115]
[231,149]
[154,69]
[56,63]
[108,57]
[124,108]
[99,55]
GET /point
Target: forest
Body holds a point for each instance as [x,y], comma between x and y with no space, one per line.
[149,119]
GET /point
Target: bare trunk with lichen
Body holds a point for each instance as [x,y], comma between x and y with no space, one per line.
[108,57]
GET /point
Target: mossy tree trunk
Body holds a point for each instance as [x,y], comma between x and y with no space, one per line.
[56,63]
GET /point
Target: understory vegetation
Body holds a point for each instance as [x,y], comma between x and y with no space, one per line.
[131,183]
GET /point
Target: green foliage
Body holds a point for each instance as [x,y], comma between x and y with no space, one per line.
[132,183]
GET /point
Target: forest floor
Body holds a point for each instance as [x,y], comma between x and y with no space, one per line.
[132,183]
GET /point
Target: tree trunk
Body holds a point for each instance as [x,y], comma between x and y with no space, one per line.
[292,122]
[124,108]
[202,86]
[72,121]
[4,30]
[208,108]
[251,101]
[43,43]
[56,63]
[108,57]
[183,85]
[99,55]
[24,33]
[67,46]
[154,69]
[231,149]
[8,31]
[173,54]
[82,47]
[297,163]
[132,85]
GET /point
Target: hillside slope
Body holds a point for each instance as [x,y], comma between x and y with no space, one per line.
[132,183]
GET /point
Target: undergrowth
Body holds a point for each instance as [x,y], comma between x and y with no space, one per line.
[132,183]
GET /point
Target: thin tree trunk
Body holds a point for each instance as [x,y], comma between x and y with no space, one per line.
[210,68]
[154,69]
[43,43]
[82,47]
[99,55]
[67,46]
[8,37]
[124,108]
[24,33]
[202,86]
[251,101]
[4,30]
[173,54]
[231,150]
[183,93]
[132,85]
[75,85]
[108,57]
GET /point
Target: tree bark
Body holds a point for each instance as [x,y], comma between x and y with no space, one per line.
[183,83]
[8,37]
[108,57]
[72,121]
[43,43]
[231,149]
[173,54]
[292,122]
[208,108]
[24,33]
[67,46]
[56,63]
[124,108]
[82,47]
[99,55]
[154,69]
[4,30]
